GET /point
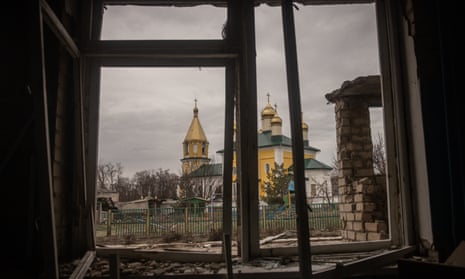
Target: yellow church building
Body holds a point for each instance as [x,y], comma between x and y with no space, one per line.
[273,147]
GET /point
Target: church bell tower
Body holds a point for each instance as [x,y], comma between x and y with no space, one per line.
[195,145]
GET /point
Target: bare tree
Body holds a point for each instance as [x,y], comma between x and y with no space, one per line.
[334,176]
[379,157]
[208,186]
[144,182]
[127,190]
[160,183]
[322,190]
[166,183]
[335,163]
[108,175]
[203,182]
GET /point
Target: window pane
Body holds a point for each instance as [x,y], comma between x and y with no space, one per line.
[162,23]
[335,44]
[145,120]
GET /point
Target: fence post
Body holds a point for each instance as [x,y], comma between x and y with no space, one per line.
[109,217]
[99,214]
[186,222]
[147,222]
[264,218]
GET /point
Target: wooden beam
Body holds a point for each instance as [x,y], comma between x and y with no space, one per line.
[328,248]
[227,255]
[315,2]
[252,275]
[42,158]
[222,3]
[88,98]
[84,264]
[79,128]
[178,3]
[231,87]
[91,83]
[295,109]
[161,255]
[398,141]
[241,31]
[114,266]
[160,62]
[97,10]
[159,48]
[58,29]
[372,263]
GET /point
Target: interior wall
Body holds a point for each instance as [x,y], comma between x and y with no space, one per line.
[437,25]
[436,117]
[415,123]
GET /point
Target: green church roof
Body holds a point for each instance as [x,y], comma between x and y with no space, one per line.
[265,139]
[314,164]
[208,170]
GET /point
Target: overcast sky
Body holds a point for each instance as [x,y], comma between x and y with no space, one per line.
[145,112]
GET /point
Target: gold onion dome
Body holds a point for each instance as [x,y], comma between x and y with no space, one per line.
[304,126]
[276,119]
[268,110]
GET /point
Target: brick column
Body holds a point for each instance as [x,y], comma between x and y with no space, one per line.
[362,195]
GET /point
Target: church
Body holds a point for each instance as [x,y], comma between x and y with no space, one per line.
[274,149]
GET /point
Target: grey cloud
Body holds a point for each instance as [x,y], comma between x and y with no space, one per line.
[139,22]
[145,112]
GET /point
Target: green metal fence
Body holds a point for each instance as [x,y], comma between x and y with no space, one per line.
[201,221]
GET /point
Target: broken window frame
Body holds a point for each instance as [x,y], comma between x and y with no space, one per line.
[399,209]
[42,17]
[157,53]
[178,53]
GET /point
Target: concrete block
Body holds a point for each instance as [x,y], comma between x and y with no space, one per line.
[376,236]
[361,236]
[358,226]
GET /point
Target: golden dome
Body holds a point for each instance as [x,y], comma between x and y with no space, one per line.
[276,119]
[195,131]
[268,111]
[304,126]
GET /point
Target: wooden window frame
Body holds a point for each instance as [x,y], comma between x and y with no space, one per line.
[221,53]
